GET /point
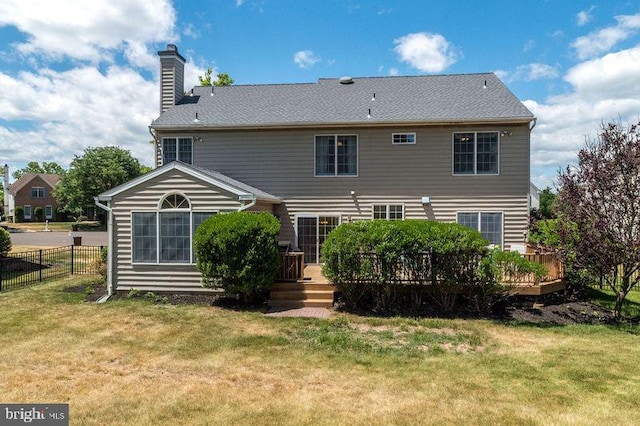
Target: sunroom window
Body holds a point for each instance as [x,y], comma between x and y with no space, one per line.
[166,235]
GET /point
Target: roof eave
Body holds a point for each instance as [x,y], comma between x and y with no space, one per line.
[359,124]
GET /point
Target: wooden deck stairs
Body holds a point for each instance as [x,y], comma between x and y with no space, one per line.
[314,291]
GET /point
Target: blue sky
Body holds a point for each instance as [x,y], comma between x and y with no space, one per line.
[78,73]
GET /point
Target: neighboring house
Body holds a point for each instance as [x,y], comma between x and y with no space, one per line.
[451,148]
[534,196]
[34,190]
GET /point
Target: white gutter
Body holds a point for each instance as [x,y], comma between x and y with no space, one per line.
[249,197]
[109,247]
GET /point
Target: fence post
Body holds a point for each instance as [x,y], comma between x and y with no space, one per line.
[72,261]
[40,269]
[1,270]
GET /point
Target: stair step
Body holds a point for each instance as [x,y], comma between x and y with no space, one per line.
[302,295]
[299,286]
[309,303]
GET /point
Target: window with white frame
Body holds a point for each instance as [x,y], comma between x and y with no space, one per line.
[336,155]
[37,192]
[403,138]
[166,235]
[489,224]
[48,212]
[180,149]
[476,153]
[388,211]
[27,212]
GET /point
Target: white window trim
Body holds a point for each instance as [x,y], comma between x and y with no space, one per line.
[415,139]
[336,175]
[48,216]
[24,209]
[157,212]
[177,138]
[38,188]
[479,213]
[388,210]
[316,216]
[475,153]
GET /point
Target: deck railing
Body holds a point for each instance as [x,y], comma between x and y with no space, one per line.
[555,268]
[291,266]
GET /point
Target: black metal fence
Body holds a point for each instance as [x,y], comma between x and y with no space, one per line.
[22,269]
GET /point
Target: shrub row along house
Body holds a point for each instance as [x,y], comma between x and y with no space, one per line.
[445,147]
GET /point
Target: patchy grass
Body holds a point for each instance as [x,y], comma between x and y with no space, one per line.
[135,362]
[606,298]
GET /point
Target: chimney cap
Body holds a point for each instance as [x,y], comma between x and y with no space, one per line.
[172,51]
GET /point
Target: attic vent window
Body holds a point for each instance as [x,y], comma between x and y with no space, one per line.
[346,80]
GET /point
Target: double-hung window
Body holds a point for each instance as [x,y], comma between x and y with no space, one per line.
[180,149]
[27,212]
[476,153]
[48,212]
[388,211]
[336,155]
[37,192]
[489,224]
[166,235]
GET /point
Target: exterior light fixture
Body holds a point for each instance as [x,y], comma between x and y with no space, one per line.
[426,200]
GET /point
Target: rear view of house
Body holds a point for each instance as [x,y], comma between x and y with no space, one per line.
[34,191]
[451,148]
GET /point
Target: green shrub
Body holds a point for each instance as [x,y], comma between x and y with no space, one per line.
[5,242]
[38,214]
[18,214]
[238,252]
[387,265]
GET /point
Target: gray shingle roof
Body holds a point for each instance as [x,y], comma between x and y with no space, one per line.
[429,99]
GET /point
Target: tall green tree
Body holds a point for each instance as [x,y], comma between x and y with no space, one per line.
[35,167]
[96,171]
[222,79]
[601,196]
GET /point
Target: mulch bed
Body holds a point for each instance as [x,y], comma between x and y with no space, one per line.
[555,311]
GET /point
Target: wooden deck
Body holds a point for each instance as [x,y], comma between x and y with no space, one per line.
[313,290]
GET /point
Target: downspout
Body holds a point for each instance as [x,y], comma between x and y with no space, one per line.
[533,123]
[247,206]
[109,247]
[156,146]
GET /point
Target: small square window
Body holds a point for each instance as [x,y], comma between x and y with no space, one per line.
[388,211]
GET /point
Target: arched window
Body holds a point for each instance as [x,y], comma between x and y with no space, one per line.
[166,235]
[175,229]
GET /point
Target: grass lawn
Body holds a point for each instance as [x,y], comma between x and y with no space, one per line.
[133,362]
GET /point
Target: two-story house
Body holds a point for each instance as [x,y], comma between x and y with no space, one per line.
[32,191]
[444,147]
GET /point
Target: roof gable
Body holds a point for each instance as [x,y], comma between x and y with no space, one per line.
[366,101]
[242,190]
[49,179]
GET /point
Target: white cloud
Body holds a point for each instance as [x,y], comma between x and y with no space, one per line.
[529,72]
[603,40]
[603,89]
[584,16]
[393,71]
[305,59]
[529,45]
[72,29]
[239,2]
[54,111]
[75,109]
[425,51]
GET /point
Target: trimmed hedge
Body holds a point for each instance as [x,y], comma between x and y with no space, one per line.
[18,214]
[393,265]
[5,242]
[238,252]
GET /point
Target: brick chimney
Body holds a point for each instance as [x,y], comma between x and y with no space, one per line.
[171,77]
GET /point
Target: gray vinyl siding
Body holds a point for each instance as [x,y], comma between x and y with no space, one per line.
[145,197]
[444,209]
[172,82]
[281,162]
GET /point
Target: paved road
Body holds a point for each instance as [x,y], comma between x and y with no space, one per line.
[57,239]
